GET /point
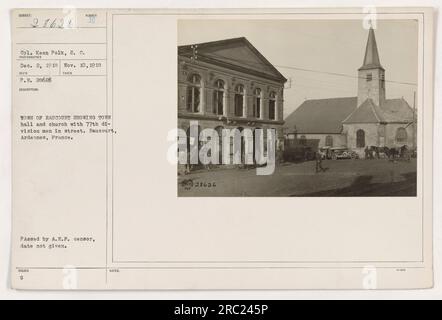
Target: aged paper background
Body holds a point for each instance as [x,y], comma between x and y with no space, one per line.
[121,191]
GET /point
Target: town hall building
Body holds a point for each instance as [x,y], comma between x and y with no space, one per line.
[229,84]
[369,119]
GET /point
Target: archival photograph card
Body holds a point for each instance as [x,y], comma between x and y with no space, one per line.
[222,148]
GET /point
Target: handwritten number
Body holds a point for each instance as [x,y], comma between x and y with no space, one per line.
[62,23]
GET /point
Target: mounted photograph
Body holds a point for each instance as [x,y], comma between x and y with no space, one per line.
[299,155]
[304,108]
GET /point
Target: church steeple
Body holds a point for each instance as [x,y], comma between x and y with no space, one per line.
[371,58]
[371,84]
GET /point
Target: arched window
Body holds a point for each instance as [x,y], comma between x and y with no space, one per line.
[303,140]
[272,106]
[329,141]
[401,135]
[257,103]
[194,93]
[360,138]
[218,98]
[239,100]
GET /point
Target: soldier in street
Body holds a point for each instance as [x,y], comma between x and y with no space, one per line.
[318,160]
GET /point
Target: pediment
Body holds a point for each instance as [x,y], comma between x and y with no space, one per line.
[237,52]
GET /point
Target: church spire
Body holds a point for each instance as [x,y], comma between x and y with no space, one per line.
[371,82]
[371,58]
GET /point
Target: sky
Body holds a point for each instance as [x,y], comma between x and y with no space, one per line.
[322,46]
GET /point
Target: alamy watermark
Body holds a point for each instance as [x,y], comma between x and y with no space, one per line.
[225,146]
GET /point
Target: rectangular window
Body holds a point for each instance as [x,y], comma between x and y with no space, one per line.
[193,99]
[369,77]
[257,108]
[218,102]
[196,99]
[189,100]
[238,105]
[272,109]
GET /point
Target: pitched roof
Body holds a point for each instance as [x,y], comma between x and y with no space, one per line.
[321,116]
[396,110]
[365,113]
[391,110]
[371,58]
[236,53]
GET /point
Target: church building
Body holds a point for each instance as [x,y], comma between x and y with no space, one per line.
[369,119]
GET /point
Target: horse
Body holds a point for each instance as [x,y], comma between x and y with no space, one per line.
[398,153]
[382,152]
[393,153]
[373,152]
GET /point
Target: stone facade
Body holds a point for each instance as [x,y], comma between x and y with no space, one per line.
[391,133]
[380,135]
[371,85]
[371,137]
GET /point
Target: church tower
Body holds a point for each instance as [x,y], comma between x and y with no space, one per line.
[371,82]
